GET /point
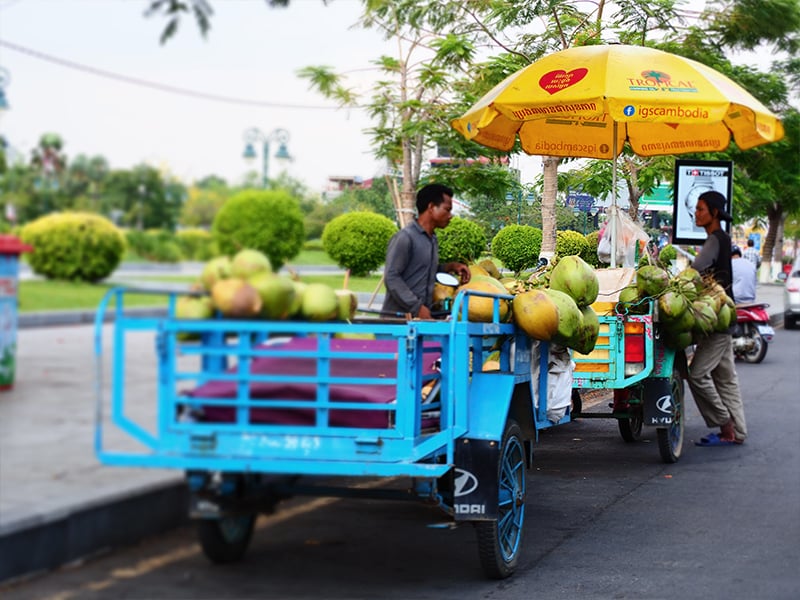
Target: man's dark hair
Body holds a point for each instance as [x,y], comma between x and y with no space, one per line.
[433,193]
[750,243]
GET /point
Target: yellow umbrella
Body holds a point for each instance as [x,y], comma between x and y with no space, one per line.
[586,101]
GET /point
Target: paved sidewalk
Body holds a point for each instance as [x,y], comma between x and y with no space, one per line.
[57,502]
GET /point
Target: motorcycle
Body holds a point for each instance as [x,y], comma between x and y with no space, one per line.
[752,333]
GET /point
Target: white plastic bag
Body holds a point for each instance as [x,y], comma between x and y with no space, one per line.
[630,237]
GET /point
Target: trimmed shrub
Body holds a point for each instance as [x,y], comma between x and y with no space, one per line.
[358,240]
[590,255]
[74,246]
[266,220]
[461,241]
[196,244]
[569,243]
[517,247]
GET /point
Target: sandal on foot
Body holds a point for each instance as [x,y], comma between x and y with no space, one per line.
[713,439]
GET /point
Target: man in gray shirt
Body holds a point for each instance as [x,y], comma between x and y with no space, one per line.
[412,258]
[744,277]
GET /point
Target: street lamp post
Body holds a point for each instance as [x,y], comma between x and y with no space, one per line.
[253,136]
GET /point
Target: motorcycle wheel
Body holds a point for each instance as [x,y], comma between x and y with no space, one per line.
[759,351]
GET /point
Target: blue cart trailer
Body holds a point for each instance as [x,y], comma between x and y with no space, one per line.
[646,376]
[257,411]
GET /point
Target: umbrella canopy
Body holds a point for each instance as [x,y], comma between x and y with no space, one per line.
[587,101]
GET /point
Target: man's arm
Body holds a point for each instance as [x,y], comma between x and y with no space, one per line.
[708,254]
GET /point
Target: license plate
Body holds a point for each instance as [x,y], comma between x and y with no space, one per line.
[766,330]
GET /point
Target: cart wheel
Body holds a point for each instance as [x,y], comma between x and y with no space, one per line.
[630,428]
[670,439]
[499,541]
[577,404]
[225,540]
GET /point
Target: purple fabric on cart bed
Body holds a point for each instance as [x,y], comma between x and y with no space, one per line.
[339,367]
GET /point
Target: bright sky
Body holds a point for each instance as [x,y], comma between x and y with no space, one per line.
[251,53]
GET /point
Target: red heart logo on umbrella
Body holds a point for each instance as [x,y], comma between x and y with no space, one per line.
[555,81]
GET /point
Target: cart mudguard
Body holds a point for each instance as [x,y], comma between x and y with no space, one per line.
[475,488]
[657,401]
[489,402]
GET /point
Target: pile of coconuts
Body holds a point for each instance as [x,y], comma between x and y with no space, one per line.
[551,306]
[244,286]
[689,306]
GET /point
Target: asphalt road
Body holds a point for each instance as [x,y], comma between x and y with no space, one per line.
[605,520]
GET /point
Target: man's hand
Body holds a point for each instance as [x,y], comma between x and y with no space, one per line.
[424,313]
[461,270]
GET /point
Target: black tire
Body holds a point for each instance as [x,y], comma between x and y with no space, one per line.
[670,439]
[577,404]
[760,350]
[630,428]
[789,322]
[500,541]
[225,540]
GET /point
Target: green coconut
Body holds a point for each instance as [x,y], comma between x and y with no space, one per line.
[235,297]
[724,318]
[536,314]
[297,304]
[672,306]
[651,280]
[214,270]
[692,276]
[319,302]
[248,262]
[490,268]
[630,301]
[193,307]
[569,316]
[277,294]
[586,338]
[705,317]
[348,303]
[481,308]
[678,341]
[575,277]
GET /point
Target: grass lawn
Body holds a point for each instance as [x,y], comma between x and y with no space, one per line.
[43,295]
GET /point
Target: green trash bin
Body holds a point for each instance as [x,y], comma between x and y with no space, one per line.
[10,249]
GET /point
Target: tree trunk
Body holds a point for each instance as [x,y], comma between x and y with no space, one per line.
[774,217]
[550,177]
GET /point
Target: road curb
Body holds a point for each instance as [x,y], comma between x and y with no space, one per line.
[28,548]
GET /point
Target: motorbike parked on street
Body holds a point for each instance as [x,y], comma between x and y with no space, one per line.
[752,333]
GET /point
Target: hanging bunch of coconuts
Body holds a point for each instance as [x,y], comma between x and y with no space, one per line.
[244,286]
[555,306]
[689,305]
[552,306]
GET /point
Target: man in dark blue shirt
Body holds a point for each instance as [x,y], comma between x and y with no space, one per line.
[412,258]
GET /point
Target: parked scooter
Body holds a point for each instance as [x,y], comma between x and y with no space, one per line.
[752,333]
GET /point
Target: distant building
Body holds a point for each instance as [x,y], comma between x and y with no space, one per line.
[341,183]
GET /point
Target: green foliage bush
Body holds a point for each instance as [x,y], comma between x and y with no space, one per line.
[461,241]
[315,244]
[196,244]
[517,247]
[358,240]
[667,254]
[74,246]
[267,220]
[570,243]
[157,245]
[590,253]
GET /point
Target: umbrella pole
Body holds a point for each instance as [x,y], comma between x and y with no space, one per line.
[614,201]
